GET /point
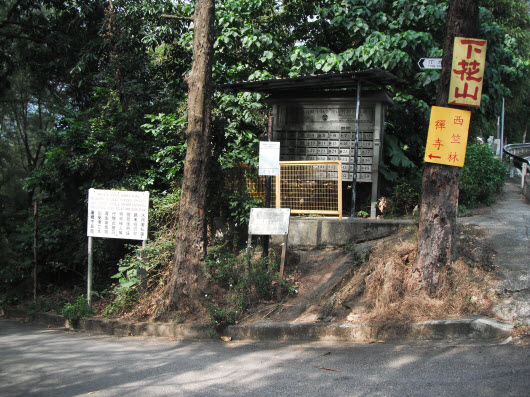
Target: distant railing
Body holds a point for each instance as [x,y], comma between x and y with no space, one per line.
[519,158]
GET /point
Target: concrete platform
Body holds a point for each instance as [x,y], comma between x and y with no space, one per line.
[317,232]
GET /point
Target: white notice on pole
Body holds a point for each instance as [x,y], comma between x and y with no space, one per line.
[269,158]
[118,214]
[269,221]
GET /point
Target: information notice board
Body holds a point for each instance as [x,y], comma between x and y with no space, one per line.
[118,214]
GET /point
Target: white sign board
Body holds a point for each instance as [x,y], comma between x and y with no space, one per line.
[118,214]
[269,158]
[430,63]
[269,221]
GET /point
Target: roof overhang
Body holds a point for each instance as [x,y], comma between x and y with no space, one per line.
[327,81]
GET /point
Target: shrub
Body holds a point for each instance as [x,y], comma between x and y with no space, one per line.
[483,176]
[77,310]
[236,288]
[405,196]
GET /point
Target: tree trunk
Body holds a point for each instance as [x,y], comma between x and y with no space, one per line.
[187,280]
[437,227]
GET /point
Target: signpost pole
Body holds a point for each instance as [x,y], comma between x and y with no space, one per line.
[249,247]
[268,188]
[89,275]
[501,143]
[35,214]
[356,152]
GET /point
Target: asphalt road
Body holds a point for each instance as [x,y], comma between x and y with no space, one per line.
[36,361]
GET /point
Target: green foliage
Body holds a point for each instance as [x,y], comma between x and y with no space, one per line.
[123,302]
[483,176]
[405,197]
[241,286]
[363,214]
[98,97]
[77,310]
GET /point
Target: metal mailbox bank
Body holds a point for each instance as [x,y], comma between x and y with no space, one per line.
[313,121]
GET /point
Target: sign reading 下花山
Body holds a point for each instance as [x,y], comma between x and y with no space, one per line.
[118,214]
[467,72]
[269,221]
[269,158]
[447,137]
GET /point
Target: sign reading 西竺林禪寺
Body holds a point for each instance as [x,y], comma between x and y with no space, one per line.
[118,214]
[467,72]
[447,137]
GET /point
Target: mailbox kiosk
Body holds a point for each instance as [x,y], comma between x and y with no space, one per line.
[315,123]
[319,128]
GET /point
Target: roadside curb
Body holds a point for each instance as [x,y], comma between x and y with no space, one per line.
[476,328]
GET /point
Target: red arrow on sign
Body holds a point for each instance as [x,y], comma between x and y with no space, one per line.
[431,157]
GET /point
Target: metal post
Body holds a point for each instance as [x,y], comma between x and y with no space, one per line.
[249,242]
[89,275]
[356,152]
[35,213]
[502,129]
[268,188]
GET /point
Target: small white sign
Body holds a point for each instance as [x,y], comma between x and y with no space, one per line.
[118,214]
[269,158]
[430,63]
[269,221]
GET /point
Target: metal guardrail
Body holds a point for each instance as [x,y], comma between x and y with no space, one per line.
[520,159]
[519,152]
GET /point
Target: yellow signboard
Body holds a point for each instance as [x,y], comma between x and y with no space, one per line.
[467,72]
[447,137]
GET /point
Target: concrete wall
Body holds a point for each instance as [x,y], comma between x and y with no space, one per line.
[330,232]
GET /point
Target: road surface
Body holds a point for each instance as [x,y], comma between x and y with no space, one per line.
[37,361]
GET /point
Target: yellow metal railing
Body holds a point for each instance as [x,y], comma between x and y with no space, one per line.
[309,187]
[306,187]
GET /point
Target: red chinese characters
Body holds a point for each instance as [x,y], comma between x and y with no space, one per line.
[469,58]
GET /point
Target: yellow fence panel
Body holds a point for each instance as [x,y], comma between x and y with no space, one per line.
[309,187]
[306,187]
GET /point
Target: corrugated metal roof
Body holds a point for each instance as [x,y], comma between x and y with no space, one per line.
[377,77]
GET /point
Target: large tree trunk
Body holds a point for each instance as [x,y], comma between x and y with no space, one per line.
[187,280]
[437,227]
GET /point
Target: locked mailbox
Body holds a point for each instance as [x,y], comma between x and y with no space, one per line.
[319,128]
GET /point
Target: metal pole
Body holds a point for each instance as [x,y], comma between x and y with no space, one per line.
[502,129]
[356,152]
[35,214]
[89,275]
[268,188]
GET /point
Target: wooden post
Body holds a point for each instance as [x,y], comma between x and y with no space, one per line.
[282,266]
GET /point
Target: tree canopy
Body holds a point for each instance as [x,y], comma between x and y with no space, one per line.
[92,94]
